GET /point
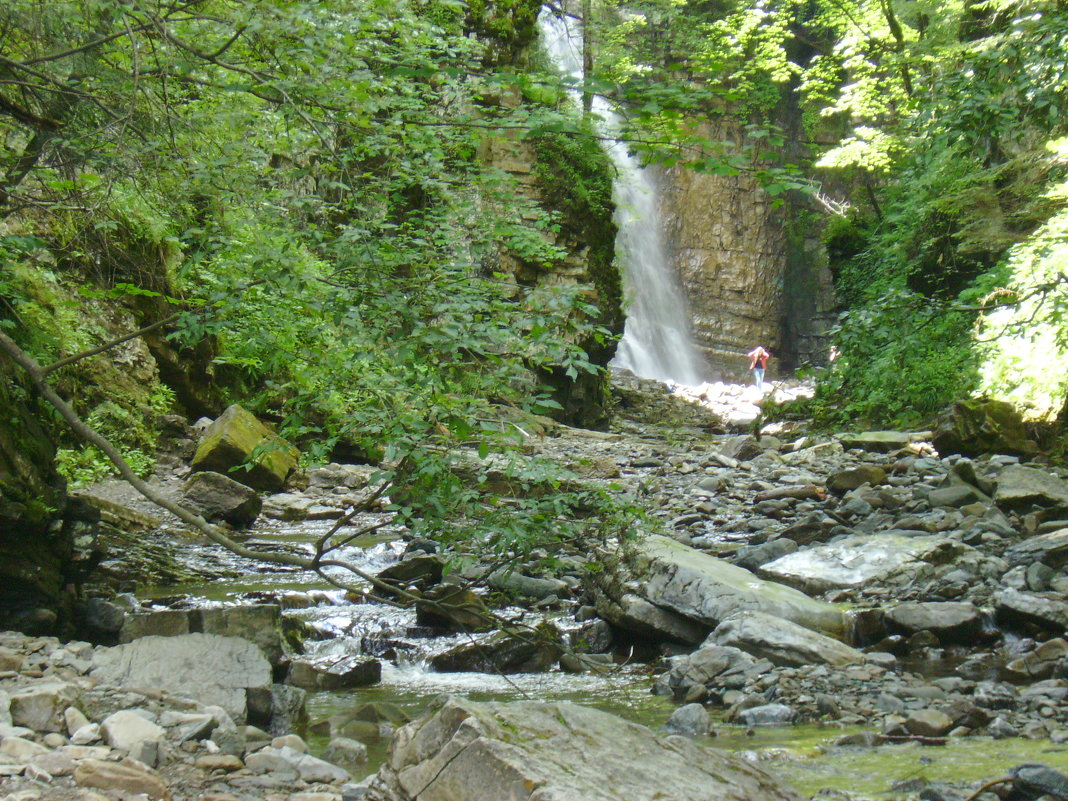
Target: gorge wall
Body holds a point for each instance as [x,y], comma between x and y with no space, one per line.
[753,273]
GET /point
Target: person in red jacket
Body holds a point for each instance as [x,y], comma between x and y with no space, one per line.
[758,363]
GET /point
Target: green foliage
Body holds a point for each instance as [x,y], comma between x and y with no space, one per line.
[902,359]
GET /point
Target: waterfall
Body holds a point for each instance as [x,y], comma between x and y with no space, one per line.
[656,336]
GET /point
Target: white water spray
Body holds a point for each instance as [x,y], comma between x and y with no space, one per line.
[656,336]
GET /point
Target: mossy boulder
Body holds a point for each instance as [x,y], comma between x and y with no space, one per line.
[975,427]
[240,446]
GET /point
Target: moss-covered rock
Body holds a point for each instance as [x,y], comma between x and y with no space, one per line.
[263,460]
[975,427]
[35,551]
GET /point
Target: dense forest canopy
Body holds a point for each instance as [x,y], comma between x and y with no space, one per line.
[929,139]
[307,192]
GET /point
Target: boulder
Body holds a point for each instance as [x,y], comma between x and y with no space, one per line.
[448,606]
[522,651]
[213,669]
[419,569]
[856,561]
[527,586]
[350,672]
[846,480]
[950,622]
[929,723]
[258,623]
[877,441]
[41,707]
[127,776]
[125,729]
[1048,610]
[1021,487]
[635,614]
[768,715]
[975,427]
[782,642]
[215,497]
[467,751]
[691,719]
[1050,549]
[238,440]
[709,590]
[1041,663]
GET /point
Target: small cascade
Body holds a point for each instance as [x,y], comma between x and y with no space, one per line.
[656,337]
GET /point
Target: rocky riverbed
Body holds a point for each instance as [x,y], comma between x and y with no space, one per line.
[863,581]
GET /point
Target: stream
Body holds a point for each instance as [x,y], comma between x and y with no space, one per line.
[804,755]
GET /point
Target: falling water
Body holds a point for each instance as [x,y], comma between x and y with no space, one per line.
[656,340]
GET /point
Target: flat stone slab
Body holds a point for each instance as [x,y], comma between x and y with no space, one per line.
[852,562]
[467,751]
[877,441]
[1020,487]
[710,590]
[782,642]
[207,667]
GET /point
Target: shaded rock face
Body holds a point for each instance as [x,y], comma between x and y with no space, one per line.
[34,554]
[216,497]
[975,427]
[746,282]
[467,751]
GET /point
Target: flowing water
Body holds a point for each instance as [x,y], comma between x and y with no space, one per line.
[345,625]
[656,338]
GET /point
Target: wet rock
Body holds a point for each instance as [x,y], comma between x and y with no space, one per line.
[635,614]
[782,642]
[237,439]
[422,570]
[595,637]
[350,672]
[995,695]
[453,608]
[752,557]
[768,715]
[104,616]
[951,622]
[465,751]
[975,427]
[691,719]
[159,623]
[527,652]
[289,760]
[209,667]
[345,752]
[1000,729]
[527,586]
[856,561]
[1020,487]
[928,723]
[215,497]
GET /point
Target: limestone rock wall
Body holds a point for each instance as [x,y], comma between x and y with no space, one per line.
[752,273]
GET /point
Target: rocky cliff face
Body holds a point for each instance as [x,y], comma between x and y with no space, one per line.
[35,549]
[748,277]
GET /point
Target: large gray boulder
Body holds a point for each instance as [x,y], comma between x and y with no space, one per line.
[951,622]
[210,668]
[856,561]
[1021,487]
[633,613]
[215,497]
[708,590]
[978,426]
[467,751]
[1048,610]
[1050,549]
[782,642]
